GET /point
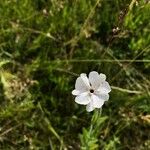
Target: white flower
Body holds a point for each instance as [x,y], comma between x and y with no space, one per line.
[92,91]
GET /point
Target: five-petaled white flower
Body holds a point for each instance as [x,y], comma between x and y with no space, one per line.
[92,91]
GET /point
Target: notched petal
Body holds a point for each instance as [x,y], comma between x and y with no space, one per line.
[102,76]
[104,96]
[94,79]
[83,100]
[75,92]
[90,107]
[85,80]
[104,87]
[97,103]
[79,85]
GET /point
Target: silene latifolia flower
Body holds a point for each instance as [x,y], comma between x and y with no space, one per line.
[91,91]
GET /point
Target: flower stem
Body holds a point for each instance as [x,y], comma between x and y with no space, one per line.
[95,117]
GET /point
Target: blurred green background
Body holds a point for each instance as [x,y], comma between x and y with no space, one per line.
[45,45]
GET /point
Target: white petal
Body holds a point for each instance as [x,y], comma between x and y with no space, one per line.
[102,76]
[94,79]
[97,103]
[90,107]
[82,99]
[85,80]
[76,92]
[80,85]
[104,97]
[104,87]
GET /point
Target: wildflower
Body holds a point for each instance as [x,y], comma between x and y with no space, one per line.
[92,91]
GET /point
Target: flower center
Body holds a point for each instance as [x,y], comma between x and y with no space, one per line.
[91,91]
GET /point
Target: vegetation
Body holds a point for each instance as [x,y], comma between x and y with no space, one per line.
[45,45]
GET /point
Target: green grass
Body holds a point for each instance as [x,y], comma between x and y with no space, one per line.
[45,45]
